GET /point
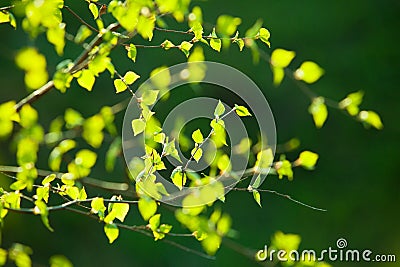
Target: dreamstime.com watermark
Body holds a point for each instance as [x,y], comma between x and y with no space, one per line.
[331,254]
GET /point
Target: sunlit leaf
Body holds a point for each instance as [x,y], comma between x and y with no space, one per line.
[197,136]
[132,52]
[309,72]
[138,126]
[351,102]
[242,111]
[119,85]
[224,163]
[147,207]
[281,58]
[94,10]
[59,261]
[111,231]
[83,33]
[307,159]
[219,109]
[185,48]
[86,79]
[264,36]
[211,243]
[178,177]
[371,118]
[130,77]
[284,168]
[197,153]
[149,97]
[257,197]
[319,111]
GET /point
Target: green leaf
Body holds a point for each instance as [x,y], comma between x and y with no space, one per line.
[86,158]
[281,58]
[211,243]
[224,163]
[18,185]
[154,222]
[35,74]
[242,111]
[149,97]
[111,231]
[219,109]
[264,36]
[284,168]
[307,159]
[56,36]
[48,179]
[257,197]
[112,154]
[72,118]
[59,261]
[167,44]
[93,130]
[120,210]
[170,149]
[278,74]
[227,25]
[147,207]
[257,182]
[319,111]
[351,102]
[224,224]
[132,52]
[86,80]
[265,158]
[309,72]
[130,77]
[371,118]
[185,48]
[197,30]
[159,138]
[138,126]
[119,85]
[198,153]
[95,11]
[240,43]
[28,116]
[197,136]
[73,192]
[97,205]
[83,33]
[216,44]
[178,177]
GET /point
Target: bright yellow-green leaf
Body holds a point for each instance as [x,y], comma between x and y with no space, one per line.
[219,109]
[86,79]
[211,243]
[224,163]
[167,44]
[371,118]
[145,26]
[93,130]
[242,111]
[159,138]
[281,58]
[86,158]
[219,135]
[7,114]
[264,35]
[147,207]
[149,97]
[59,261]
[224,224]
[35,74]
[257,197]
[95,11]
[309,72]
[83,33]
[28,116]
[111,231]
[72,118]
[287,242]
[351,102]
[265,158]
[170,149]
[307,159]
[154,222]
[197,153]
[120,210]
[57,153]
[216,44]
[284,168]
[257,182]
[119,85]
[240,43]
[18,185]
[48,179]
[197,30]
[132,52]
[73,192]
[185,48]
[130,77]
[197,136]
[319,111]
[195,16]
[138,126]
[178,177]
[55,35]
[97,205]
[82,194]
[227,25]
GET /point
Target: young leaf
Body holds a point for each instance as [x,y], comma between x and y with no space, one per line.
[309,72]
[219,109]
[197,30]
[197,136]
[138,126]
[319,111]
[178,177]
[351,102]
[185,48]
[257,182]
[307,159]
[167,44]
[147,207]
[371,118]
[284,168]
[132,52]
[242,111]
[119,85]
[111,231]
[216,44]
[264,35]
[197,153]
[120,210]
[224,163]
[281,58]
[130,77]
[86,79]
[95,11]
[240,43]
[154,222]
[48,179]
[257,197]
[83,33]
[97,205]
[149,97]
[265,158]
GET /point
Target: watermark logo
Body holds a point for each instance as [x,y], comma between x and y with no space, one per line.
[332,254]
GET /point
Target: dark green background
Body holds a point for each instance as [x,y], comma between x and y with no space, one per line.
[356,180]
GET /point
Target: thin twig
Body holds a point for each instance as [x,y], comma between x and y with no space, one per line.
[80,19]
